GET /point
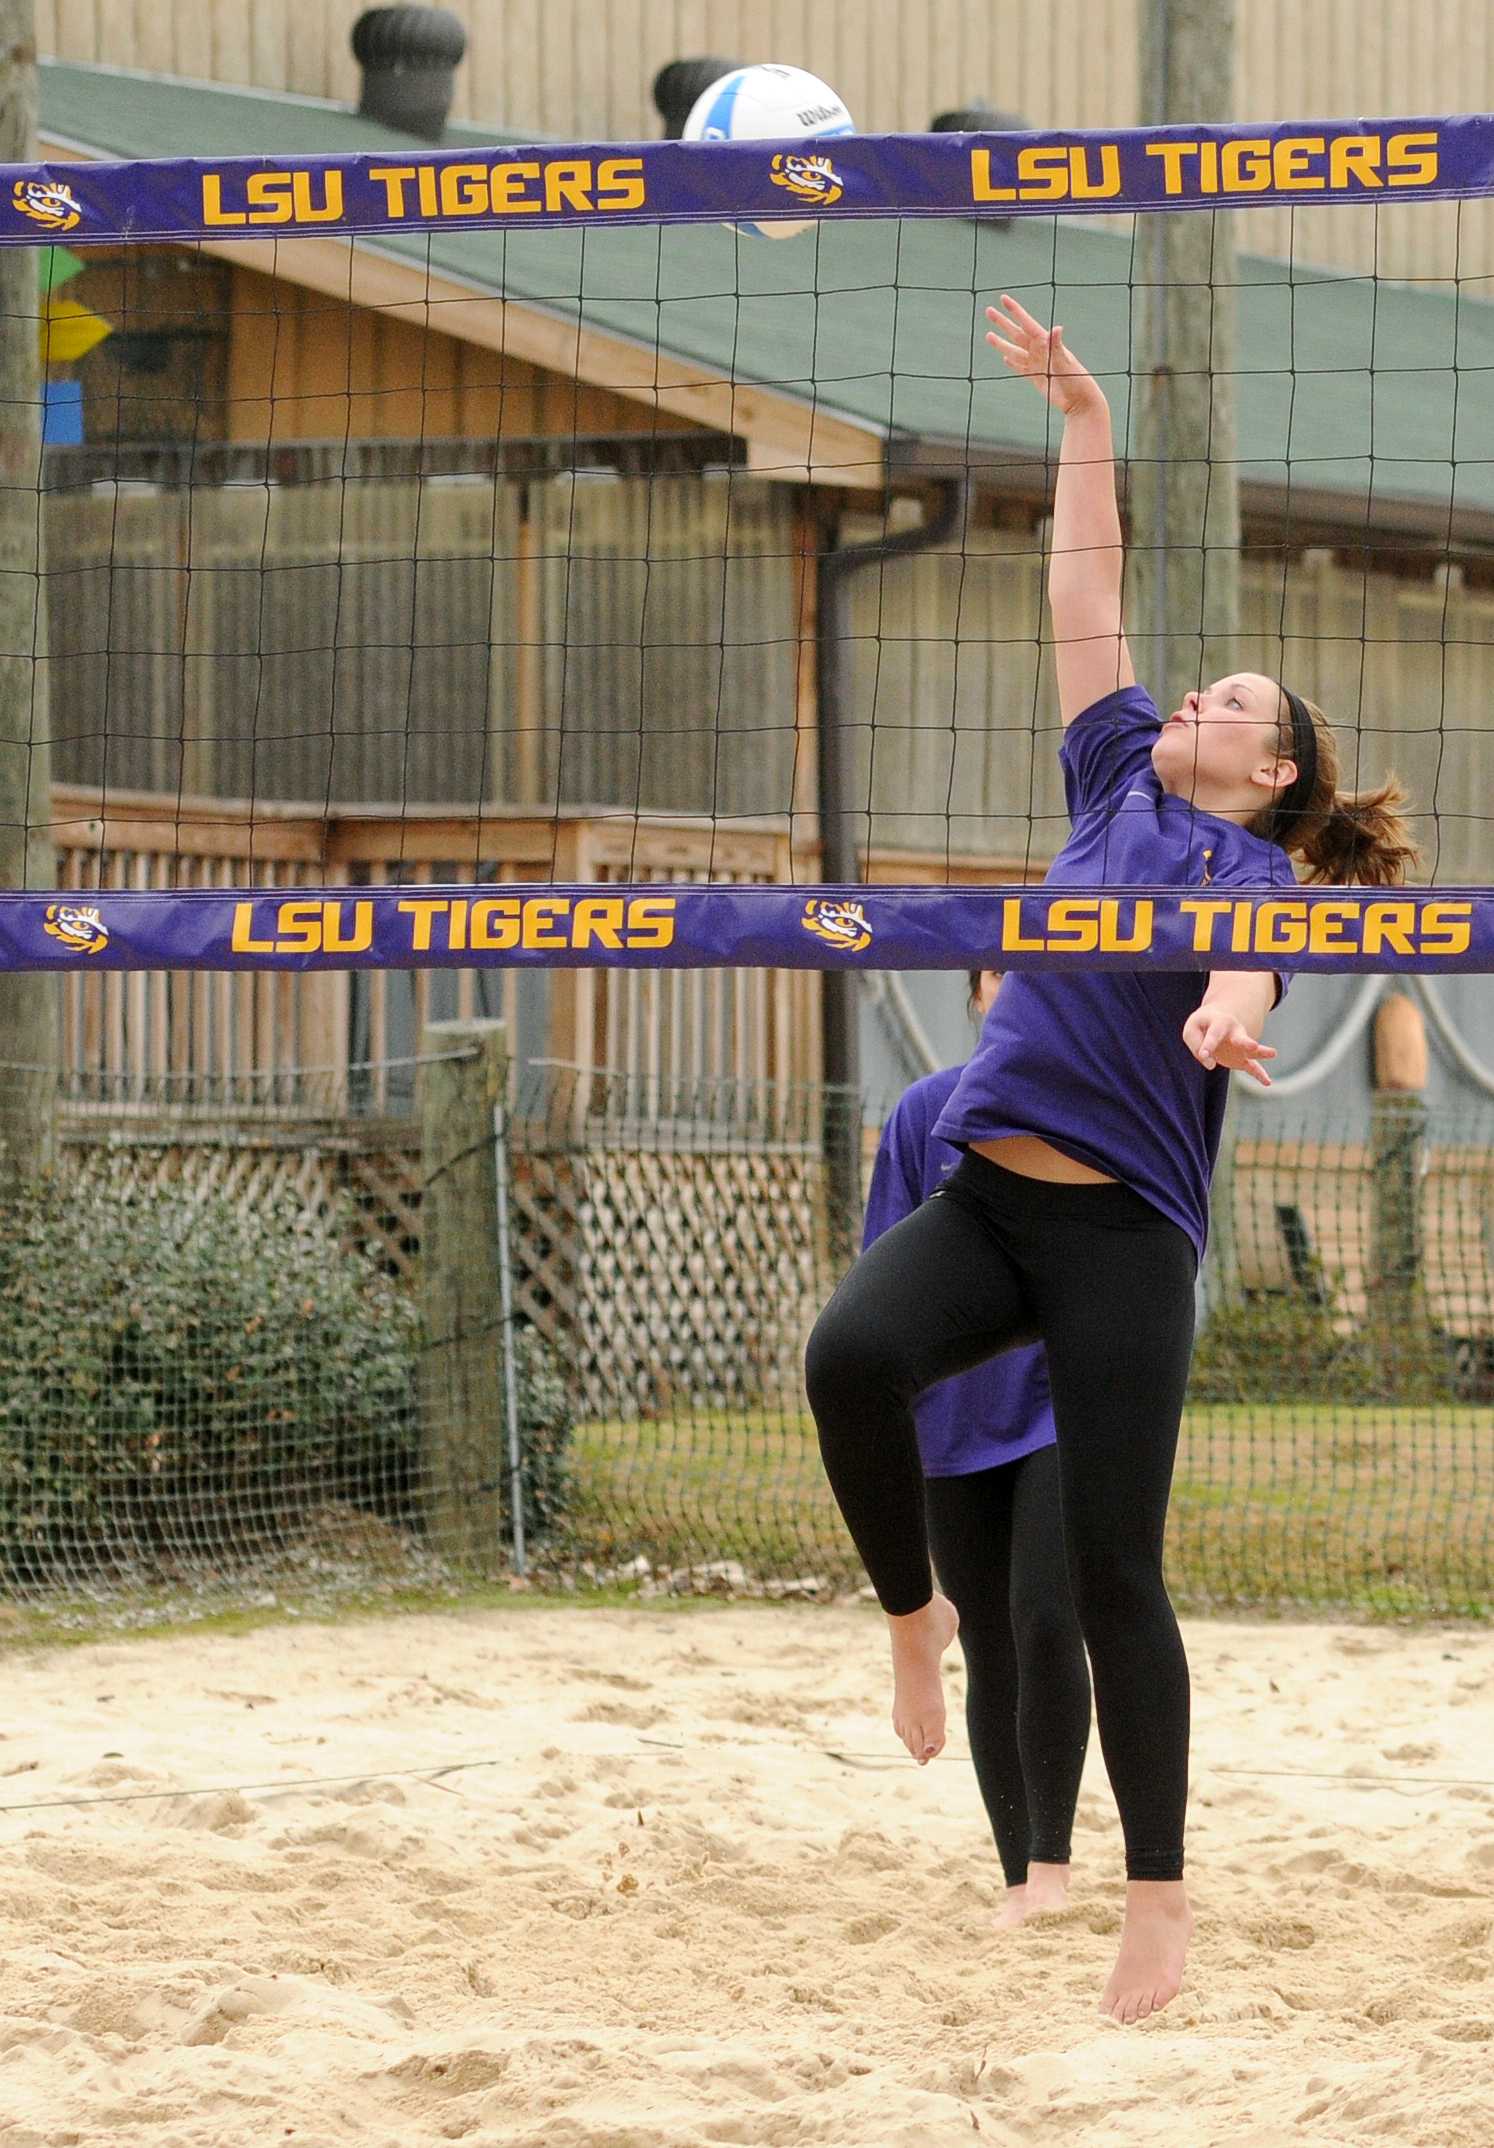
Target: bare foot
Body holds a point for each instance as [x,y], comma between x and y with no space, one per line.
[1013,1910]
[1045,1892]
[1148,1970]
[918,1641]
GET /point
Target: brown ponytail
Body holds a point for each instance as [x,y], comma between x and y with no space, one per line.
[1363,837]
[1344,836]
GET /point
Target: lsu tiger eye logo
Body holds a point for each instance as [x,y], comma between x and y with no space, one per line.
[79,927]
[47,203]
[808,178]
[841,925]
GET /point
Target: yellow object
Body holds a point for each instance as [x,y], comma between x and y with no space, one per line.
[68,330]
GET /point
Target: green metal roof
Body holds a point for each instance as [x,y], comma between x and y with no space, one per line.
[122,113]
[1363,401]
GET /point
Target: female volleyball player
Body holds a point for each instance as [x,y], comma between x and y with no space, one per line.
[985,1441]
[1090,1117]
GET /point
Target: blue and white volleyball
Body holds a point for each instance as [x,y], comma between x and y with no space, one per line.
[776,104]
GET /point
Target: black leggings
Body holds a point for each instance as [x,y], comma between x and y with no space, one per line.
[1106,1282]
[997,1540]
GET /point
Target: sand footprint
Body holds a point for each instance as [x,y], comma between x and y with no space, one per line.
[633,1718]
[1277,1933]
[450,2069]
[221,1812]
[230,2005]
[870,1851]
[863,1931]
[347,1835]
[1466,2030]
[367,1793]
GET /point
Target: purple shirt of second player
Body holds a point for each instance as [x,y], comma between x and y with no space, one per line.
[1001,1410]
[1094,1061]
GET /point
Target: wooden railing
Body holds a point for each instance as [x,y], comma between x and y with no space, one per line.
[665,1026]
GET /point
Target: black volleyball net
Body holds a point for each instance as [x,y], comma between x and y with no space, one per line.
[495,586]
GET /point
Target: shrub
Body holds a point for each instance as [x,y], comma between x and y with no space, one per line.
[184,1374]
[181,1370]
[547,1426]
[1280,1346]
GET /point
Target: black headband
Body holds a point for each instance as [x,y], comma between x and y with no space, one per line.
[1297,796]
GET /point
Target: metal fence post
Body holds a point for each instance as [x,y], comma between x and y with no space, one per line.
[506,1312]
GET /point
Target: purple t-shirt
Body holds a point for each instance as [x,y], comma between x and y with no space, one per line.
[1094,1061]
[1002,1409]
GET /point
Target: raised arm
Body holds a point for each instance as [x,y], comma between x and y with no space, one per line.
[1084,574]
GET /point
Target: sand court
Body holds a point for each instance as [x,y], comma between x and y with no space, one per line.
[557,1877]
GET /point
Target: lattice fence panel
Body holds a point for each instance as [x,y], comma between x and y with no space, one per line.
[700,1272]
[372,1168]
[546,1193]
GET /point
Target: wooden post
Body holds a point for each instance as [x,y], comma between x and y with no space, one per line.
[574,994]
[1398,1116]
[1182,588]
[460,1297]
[1183,497]
[1221,1271]
[519,728]
[28,1004]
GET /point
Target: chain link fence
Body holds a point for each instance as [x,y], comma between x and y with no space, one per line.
[257,1346]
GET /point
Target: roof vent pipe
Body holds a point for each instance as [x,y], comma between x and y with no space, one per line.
[978,117]
[678,84]
[408,56]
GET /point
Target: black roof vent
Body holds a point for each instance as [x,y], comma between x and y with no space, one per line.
[977,117]
[679,83]
[408,56]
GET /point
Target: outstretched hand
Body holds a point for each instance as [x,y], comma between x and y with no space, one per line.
[1219,1039]
[1040,355]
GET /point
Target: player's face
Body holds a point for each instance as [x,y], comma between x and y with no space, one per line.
[985,993]
[1219,747]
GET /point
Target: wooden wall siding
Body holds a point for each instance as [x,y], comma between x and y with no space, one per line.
[670,635]
[952,712]
[303,366]
[626,643]
[1457,1200]
[579,71]
[562,69]
[957,727]
[1406,671]
[1370,56]
[633,646]
[116,619]
[351,640]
